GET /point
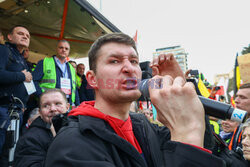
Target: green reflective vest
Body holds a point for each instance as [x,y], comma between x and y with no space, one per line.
[49,78]
[78,81]
[215,126]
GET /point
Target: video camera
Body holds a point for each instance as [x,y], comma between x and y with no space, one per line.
[15,106]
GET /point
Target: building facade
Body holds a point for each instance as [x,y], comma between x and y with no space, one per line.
[178,52]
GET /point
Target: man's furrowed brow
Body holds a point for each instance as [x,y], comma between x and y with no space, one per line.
[118,56]
[115,56]
[134,56]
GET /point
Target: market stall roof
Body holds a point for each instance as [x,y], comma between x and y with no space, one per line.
[51,20]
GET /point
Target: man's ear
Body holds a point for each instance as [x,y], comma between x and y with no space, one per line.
[67,106]
[9,37]
[91,78]
[39,111]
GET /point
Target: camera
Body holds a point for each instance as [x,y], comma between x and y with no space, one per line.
[194,72]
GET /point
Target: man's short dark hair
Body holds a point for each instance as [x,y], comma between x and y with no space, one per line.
[15,26]
[52,91]
[80,65]
[244,86]
[62,40]
[72,61]
[1,32]
[113,37]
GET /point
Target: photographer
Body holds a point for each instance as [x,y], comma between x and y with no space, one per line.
[13,73]
[33,145]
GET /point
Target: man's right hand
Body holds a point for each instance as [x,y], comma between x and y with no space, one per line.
[28,76]
[179,108]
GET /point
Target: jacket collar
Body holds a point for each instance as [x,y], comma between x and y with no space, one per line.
[11,45]
[103,130]
[38,122]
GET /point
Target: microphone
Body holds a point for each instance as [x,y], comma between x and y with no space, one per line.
[213,108]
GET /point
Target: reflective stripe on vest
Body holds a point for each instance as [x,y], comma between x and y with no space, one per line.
[47,81]
[49,78]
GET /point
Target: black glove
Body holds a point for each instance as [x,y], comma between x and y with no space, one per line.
[59,121]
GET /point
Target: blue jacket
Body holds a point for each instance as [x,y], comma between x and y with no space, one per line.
[38,75]
[11,77]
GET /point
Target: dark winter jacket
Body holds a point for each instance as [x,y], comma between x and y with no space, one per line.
[33,145]
[231,158]
[86,92]
[38,75]
[11,77]
[91,142]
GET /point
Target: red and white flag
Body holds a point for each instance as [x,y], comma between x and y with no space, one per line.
[135,37]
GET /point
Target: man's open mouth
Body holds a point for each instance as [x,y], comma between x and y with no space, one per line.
[129,83]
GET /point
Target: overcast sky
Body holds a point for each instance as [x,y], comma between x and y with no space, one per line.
[210,31]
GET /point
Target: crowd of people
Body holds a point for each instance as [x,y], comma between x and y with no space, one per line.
[70,118]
